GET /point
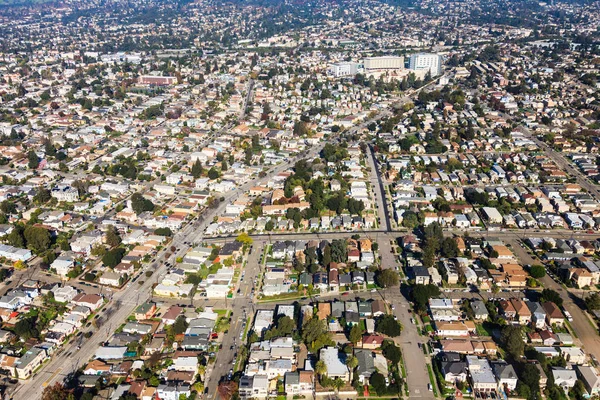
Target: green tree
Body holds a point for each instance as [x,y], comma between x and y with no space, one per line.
[321,368]
[351,363]
[327,255]
[42,196]
[355,335]
[163,232]
[592,302]
[449,248]
[551,295]
[387,278]
[38,239]
[410,220]
[180,325]
[387,325]
[8,207]
[16,238]
[315,335]
[113,257]
[537,271]
[113,239]
[339,251]
[578,392]
[153,381]
[139,204]
[377,380]
[33,160]
[512,341]
[213,174]
[197,169]
[530,376]
[391,351]
[422,293]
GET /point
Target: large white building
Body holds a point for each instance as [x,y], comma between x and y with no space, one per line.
[383,63]
[342,69]
[426,61]
[65,193]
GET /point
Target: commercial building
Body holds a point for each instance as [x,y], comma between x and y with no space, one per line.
[385,63]
[426,61]
[343,69]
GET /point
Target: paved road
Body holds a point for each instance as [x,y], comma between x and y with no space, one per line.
[243,308]
[122,305]
[247,99]
[378,190]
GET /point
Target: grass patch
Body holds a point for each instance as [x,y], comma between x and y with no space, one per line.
[432,380]
[481,330]
[283,296]
[571,330]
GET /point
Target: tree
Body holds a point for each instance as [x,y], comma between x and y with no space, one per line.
[422,293]
[523,390]
[26,328]
[555,392]
[33,160]
[98,250]
[57,392]
[449,248]
[197,169]
[592,302]
[113,257]
[163,232]
[180,325]
[42,196]
[387,325]
[578,392]
[537,271]
[300,128]
[391,351]
[139,204]
[227,389]
[387,278]
[244,238]
[512,341]
[321,368]
[355,335]
[37,239]
[113,239]
[352,363]
[327,255]
[20,265]
[8,207]
[339,251]
[315,335]
[16,238]
[377,380]
[529,374]
[410,220]
[213,174]
[552,296]
[285,325]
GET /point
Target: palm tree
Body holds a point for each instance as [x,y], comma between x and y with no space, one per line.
[320,368]
[338,384]
[351,362]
